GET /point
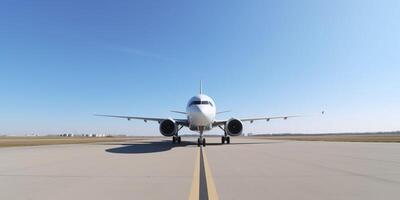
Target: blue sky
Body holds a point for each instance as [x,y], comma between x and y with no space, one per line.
[60,62]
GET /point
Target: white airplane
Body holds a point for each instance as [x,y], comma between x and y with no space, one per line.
[201,111]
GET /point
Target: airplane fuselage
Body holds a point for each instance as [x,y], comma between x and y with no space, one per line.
[201,111]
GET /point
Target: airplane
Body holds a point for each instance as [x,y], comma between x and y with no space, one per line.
[200,116]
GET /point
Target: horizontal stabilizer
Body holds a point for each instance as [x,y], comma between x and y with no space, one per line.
[225,111]
[180,112]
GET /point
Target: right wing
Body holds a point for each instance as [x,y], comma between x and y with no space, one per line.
[268,118]
[251,120]
[145,119]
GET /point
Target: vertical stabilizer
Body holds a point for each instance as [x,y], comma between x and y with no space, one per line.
[201,87]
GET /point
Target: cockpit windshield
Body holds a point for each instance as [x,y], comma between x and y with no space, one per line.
[201,102]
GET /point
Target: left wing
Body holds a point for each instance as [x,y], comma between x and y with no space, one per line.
[145,119]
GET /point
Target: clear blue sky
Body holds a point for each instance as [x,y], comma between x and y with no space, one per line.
[62,61]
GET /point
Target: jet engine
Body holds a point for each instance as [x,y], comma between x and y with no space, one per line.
[234,127]
[168,127]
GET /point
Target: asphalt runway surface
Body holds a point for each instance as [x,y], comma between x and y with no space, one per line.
[245,169]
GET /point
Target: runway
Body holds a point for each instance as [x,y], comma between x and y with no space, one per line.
[245,169]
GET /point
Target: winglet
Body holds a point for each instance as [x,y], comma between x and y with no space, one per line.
[201,87]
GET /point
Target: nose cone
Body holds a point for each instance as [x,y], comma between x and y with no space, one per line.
[201,115]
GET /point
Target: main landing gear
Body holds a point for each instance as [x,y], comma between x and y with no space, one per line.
[176,139]
[226,139]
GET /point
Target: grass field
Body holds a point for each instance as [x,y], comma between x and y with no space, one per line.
[338,138]
[7,141]
[50,140]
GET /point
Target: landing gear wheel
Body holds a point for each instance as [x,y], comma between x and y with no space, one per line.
[173,139]
[222,140]
[204,142]
[228,140]
[179,139]
[198,142]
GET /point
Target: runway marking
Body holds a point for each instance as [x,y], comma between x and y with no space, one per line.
[203,178]
[194,192]
[203,186]
[212,190]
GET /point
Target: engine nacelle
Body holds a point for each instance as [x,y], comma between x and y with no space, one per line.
[168,127]
[234,127]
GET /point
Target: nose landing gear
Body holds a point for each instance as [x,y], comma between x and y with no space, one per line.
[201,141]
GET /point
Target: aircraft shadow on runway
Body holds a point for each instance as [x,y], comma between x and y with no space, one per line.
[160,146]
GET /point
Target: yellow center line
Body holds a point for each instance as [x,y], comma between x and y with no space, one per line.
[194,192]
[212,190]
[195,189]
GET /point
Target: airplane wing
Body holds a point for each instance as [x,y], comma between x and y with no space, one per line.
[251,120]
[145,119]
